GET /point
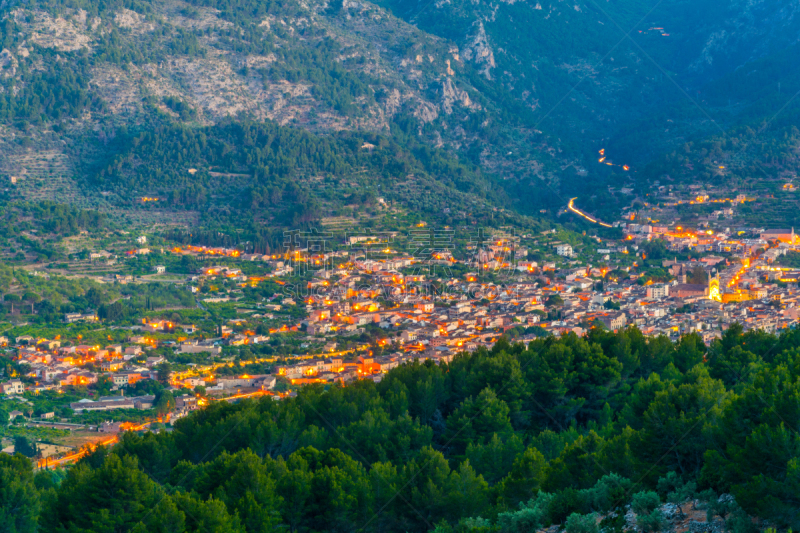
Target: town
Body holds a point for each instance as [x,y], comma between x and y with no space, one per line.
[399,266]
[352,307]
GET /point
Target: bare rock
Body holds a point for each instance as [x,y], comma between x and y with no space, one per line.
[478,51]
[452,94]
[133,21]
[392,103]
[8,64]
[49,32]
[426,112]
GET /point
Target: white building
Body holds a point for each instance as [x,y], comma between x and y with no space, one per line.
[658,291]
[14,386]
[564,250]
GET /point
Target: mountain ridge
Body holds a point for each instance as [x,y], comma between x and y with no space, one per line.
[499,88]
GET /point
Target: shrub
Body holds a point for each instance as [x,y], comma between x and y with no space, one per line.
[645,502]
[608,493]
[581,523]
[563,504]
[652,522]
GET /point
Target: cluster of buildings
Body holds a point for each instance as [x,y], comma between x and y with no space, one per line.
[334,369]
[55,366]
[107,403]
[705,240]
[433,306]
[435,317]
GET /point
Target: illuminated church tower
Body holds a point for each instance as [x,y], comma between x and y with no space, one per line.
[713,287]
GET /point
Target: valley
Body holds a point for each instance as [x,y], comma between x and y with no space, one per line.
[392,265]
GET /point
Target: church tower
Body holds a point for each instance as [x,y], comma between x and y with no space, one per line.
[713,287]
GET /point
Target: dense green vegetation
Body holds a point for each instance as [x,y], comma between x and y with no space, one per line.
[57,92]
[54,296]
[550,91]
[50,219]
[264,167]
[510,439]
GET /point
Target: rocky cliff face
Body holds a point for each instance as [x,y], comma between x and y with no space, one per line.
[200,65]
[478,50]
[591,71]
[222,82]
[528,90]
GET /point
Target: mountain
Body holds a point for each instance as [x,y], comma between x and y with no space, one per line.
[283,113]
[636,78]
[106,105]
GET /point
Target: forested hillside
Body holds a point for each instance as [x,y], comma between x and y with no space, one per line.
[105,104]
[638,78]
[502,104]
[281,174]
[512,439]
[614,69]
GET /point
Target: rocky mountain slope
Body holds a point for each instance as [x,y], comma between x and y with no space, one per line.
[639,78]
[516,97]
[128,65]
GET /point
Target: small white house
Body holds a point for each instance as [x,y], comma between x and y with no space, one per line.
[564,250]
[13,387]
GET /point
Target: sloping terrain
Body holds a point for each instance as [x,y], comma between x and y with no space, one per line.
[490,104]
[639,78]
[131,67]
